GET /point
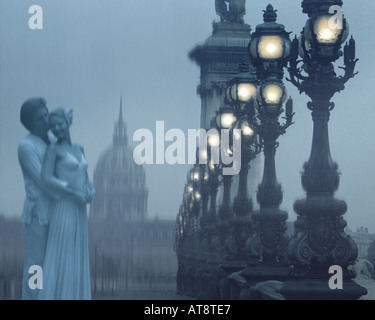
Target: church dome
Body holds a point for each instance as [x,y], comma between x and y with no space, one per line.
[119,182]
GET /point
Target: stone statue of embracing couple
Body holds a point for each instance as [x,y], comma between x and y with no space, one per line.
[55,217]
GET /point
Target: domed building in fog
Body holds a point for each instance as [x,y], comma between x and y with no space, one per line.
[128,251]
[120,184]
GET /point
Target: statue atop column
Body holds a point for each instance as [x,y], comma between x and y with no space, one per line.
[233,12]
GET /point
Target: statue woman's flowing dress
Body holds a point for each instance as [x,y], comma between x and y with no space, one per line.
[66,270]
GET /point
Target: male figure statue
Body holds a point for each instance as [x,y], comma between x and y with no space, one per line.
[34,117]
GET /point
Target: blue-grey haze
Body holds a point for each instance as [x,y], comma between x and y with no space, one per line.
[92,50]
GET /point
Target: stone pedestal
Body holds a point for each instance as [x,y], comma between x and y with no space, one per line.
[318,289]
[259,277]
[219,59]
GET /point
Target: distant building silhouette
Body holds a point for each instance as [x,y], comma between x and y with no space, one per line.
[128,252]
[362,238]
[120,184]
[12,256]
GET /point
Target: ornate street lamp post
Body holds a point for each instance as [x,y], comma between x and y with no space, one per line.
[320,240]
[224,120]
[240,95]
[204,187]
[213,177]
[187,244]
[269,50]
[193,189]
[242,204]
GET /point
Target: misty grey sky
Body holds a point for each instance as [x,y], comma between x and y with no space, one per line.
[92,50]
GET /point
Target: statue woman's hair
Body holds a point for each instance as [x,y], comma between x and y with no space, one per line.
[65,113]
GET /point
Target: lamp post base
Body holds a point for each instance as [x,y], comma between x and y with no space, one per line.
[273,282]
[243,285]
[272,234]
[318,289]
[320,240]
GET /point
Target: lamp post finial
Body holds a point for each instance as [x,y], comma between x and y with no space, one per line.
[270,14]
